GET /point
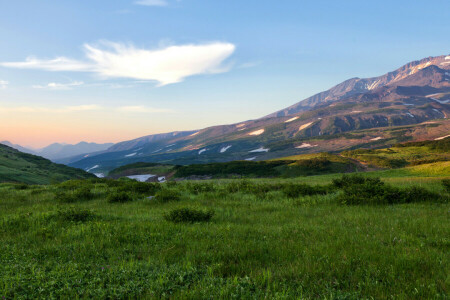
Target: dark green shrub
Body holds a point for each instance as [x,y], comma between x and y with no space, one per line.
[348,180]
[188,215]
[20,186]
[446,184]
[74,214]
[372,191]
[119,197]
[140,188]
[166,195]
[80,194]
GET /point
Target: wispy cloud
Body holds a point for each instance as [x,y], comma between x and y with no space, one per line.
[152,2]
[142,109]
[167,65]
[250,64]
[59,86]
[3,84]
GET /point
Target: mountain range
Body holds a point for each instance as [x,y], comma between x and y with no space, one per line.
[407,104]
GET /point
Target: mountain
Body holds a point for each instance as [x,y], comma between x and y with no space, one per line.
[355,86]
[59,151]
[18,147]
[16,166]
[408,104]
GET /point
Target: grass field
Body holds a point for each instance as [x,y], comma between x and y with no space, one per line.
[262,242]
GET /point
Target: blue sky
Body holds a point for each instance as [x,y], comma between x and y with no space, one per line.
[115,70]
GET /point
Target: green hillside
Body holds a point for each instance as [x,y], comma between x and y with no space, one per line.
[16,166]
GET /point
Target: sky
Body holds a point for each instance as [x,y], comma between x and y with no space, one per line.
[109,71]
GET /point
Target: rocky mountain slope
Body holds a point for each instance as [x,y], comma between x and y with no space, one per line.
[410,103]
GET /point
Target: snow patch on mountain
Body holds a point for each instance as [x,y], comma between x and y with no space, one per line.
[257,132]
[306,145]
[202,150]
[240,125]
[194,134]
[304,126]
[224,149]
[131,154]
[376,139]
[291,119]
[141,178]
[260,149]
[251,158]
[409,114]
[94,167]
[442,137]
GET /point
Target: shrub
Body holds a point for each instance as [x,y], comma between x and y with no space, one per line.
[20,186]
[140,188]
[80,194]
[119,197]
[446,184]
[348,180]
[188,215]
[166,195]
[372,191]
[73,214]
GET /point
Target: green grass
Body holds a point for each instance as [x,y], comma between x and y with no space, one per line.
[256,245]
[16,166]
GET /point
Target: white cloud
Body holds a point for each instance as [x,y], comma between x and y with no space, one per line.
[142,109]
[3,84]
[167,65]
[59,86]
[152,2]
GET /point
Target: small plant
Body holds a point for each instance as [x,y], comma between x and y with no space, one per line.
[74,214]
[188,215]
[166,195]
[119,197]
[20,186]
[446,184]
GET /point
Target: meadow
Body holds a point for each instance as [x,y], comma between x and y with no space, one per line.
[304,238]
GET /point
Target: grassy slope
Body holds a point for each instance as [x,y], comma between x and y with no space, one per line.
[16,166]
[276,247]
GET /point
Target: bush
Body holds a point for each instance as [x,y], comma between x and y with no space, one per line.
[188,215]
[446,184]
[119,197]
[80,194]
[73,214]
[166,195]
[20,186]
[348,180]
[372,191]
[140,188]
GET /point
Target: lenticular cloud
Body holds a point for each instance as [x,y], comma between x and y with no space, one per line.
[165,66]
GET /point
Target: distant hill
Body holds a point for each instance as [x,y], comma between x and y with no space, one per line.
[18,147]
[59,151]
[16,166]
[411,103]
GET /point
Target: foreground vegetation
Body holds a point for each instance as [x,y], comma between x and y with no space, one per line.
[314,237]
